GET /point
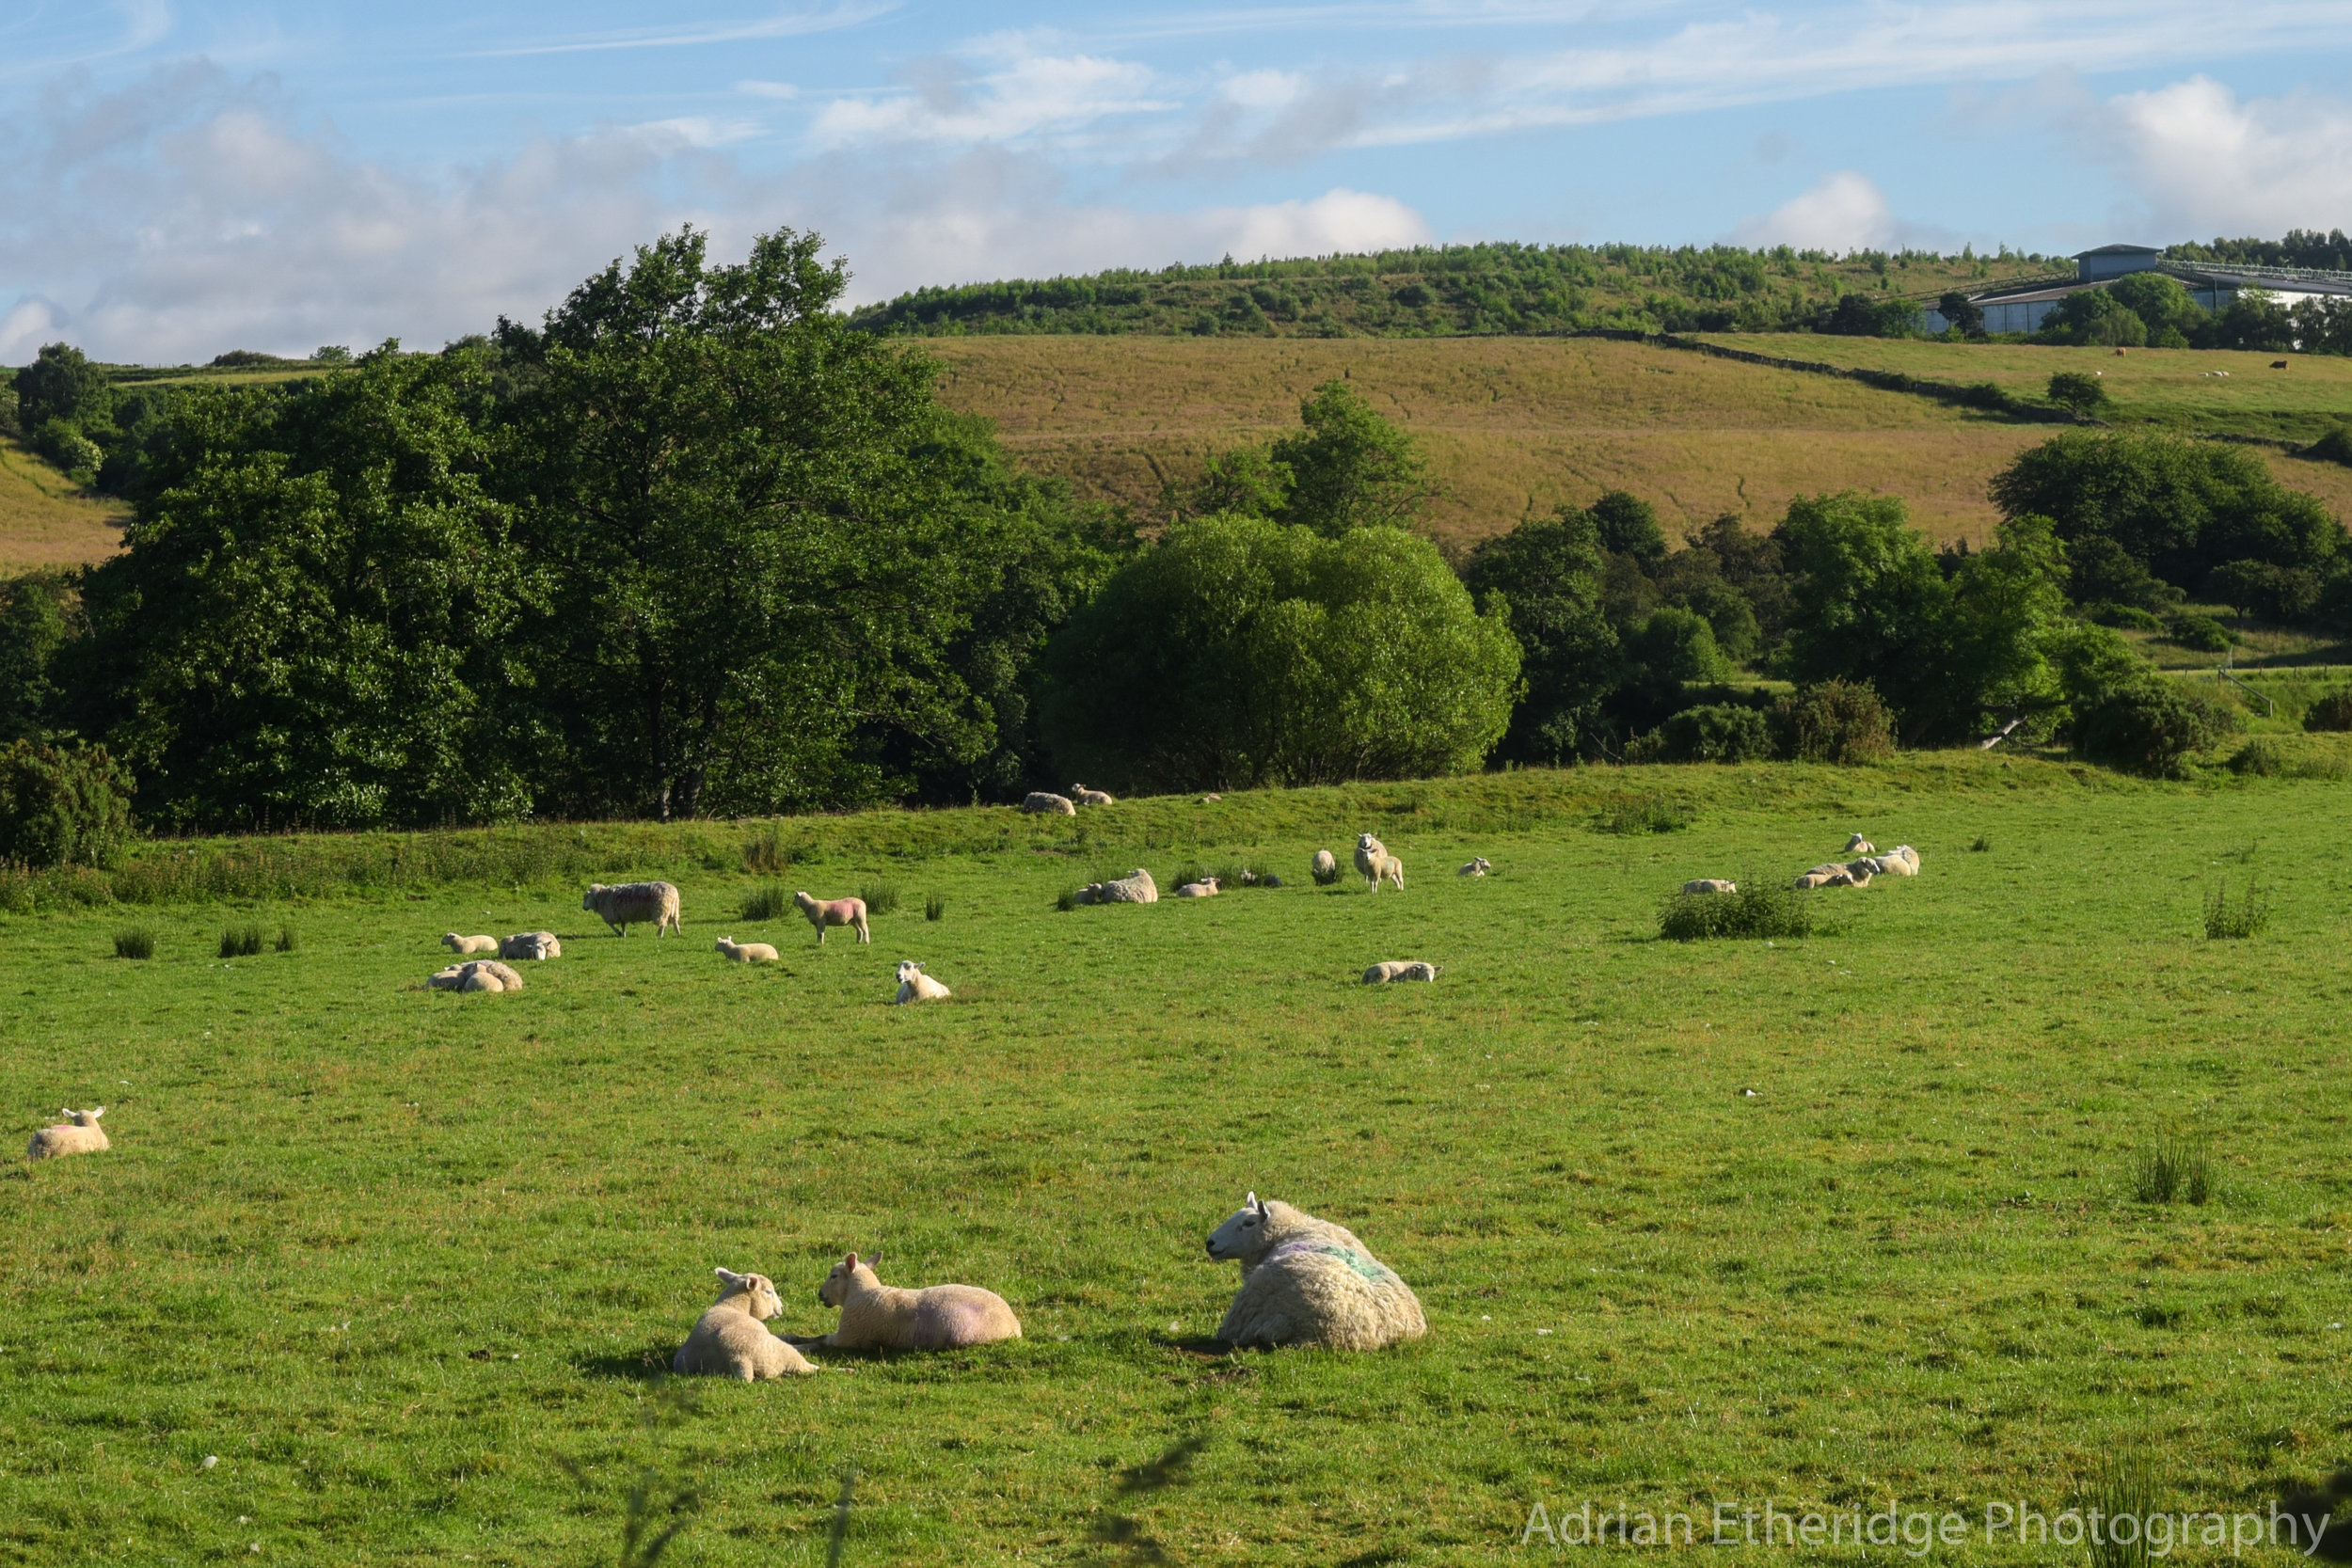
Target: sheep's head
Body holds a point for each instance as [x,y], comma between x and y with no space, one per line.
[588,899]
[1368,844]
[836,1289]
[757,1290]
[908,970]
[84,1118]
[1244,1234]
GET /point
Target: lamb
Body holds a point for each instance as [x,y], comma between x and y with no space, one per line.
[838,912]
[79,1134]
[1041,804]
[1206,888]
[1478,867]
[481,974]
[1210,799]
[875,1316]
[468,946]
[747,952]
[1381,974]
[728,1339]
[1323,868]
[1857,845]
[1374,860]
[1909,856]
[1819,876]
[1304,1281]
[627,903]
[1136,889]
[1086,797]
[916,985]
[1710,884]
[533,945]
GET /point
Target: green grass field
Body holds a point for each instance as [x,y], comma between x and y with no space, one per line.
[409,1263]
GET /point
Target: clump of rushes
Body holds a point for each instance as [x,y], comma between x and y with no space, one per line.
[881,898]
[287,941]
[766,903]
[135,941]
[241,942]
[934,908]
[2175,1168]
[2226,920]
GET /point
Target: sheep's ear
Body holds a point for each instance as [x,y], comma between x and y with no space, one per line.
[850,1261]
[730,1275]
[96,1114]
[872,1258]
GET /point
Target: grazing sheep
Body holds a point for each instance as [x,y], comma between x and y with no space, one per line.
[1137,889]
[1478,867]
[532,945]
[731,1339]
[79,1134]
[468,946]
[625,904]
[481,974]
[1381,974]
[875,1316]
[1323,868]
[916,985]
[1374,860]
[1710,884]
[1304,1281]
[1086,797]
[1205,888]
[838,912]
[1857,845]
[1041,804]
[747,952]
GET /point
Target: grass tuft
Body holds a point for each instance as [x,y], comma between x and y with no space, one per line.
[1760,909]
[1067,899]
[1648,814]
[2175,1168]
[287,941]
[1982,845]
[934,908]
[135,941]
[241,942]
[2227,921]
[764,854]
[881,898]
[2122,1490]
[766,903]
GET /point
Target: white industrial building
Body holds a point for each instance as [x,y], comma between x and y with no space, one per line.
[2213,285]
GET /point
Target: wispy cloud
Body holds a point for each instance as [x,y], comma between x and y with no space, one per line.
[694,35]
[2205,162]
[1032,93]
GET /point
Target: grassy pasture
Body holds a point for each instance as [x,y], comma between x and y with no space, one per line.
[47,520]
[400,1258]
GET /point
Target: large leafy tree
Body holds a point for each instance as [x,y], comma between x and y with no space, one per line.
[1349,467]
[1546,575]
[1239,651]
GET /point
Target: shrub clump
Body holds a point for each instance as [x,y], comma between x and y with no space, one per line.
[241,942]
[1757,911]
[1648,814]
[62,806]
[766,903]
[881,898]
[764,855]
[2151,728]
[1720,732]
[2330,712]
[135,941]
[2228,920]
[2200,633]
[1836,721]
[2260,757]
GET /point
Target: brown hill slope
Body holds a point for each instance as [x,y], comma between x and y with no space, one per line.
[45,520]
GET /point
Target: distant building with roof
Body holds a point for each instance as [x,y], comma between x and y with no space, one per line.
[2024,307]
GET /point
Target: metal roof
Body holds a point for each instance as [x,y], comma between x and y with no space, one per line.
[2120,250]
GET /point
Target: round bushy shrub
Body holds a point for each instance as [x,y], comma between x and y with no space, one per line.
[2151,728]
[2200,633]
[67,805]
[1834,721]
[2330,712]
[1720,732]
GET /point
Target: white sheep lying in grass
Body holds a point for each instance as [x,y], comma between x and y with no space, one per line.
[1304,1281]
[1136,889]
[822,912]
[747,952]
[622,904]
[1040,803]
[731,1339]
[1206,888]
[875,1316]
[1325,868]
[1478,867]
[79,1134]
[1374,860]
[481,974]
[468,946]
[530,945]
[1857,845]
[1901,861]
[916,985]
[1395,969]
[1710,884]
[1086,797]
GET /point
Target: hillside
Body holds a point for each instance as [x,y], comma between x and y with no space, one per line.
[1449,290]
[1515,424]
[46,520]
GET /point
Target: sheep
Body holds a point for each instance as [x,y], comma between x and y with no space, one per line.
[1086,797]
[1396,969]
[1304,1281]
[1206,888]
[1041,804]
[466,947]
[838,912]
[1374,860]
[1710,884]
[626,903]
[1813,880]
[729,1340]
[1909,856]
[1323,868]
[1210,799]
[1478,867]
[1858,873]
[79,1134]
[1857,845]
[747,952]
[875,1316]
[481,974]
[533,945]
[1135,888]
[916,985]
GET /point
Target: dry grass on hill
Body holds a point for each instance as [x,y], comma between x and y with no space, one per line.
[46,521]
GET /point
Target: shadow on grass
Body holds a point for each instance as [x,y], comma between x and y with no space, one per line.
[1127,1536]
[645,1364]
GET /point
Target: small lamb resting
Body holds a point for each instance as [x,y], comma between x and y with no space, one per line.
[466,947]
[79,1134]
[875,1316]
[1304,1281]
[532,945]
[1399,969]
[481,974]
[746,952]
[916,985]
[731,1339]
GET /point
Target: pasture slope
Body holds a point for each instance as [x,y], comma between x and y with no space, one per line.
[47,520]
[410,1263]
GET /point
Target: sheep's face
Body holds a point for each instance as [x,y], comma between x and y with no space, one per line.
[836,1289]
[908,970]
[1367,843]
[1244,1234]
[588,899]
[755,1294]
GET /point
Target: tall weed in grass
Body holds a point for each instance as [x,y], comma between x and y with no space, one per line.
[2175,1168]
[764,854]
[766,903]
[2122,1491]
[881,898]
[1648,813]
[135,941]
[1758,911]
[2228,920]
[241,942]
[934,908]
[286,939]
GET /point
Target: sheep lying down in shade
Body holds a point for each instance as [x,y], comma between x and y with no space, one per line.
[1382,974]
[1304,1281]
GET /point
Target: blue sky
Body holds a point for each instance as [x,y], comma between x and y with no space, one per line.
[178,179]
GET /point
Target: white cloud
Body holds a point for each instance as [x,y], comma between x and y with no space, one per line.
[1842,211]
[1036,92]
[2206,163]
[24,329]
[1263,89]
